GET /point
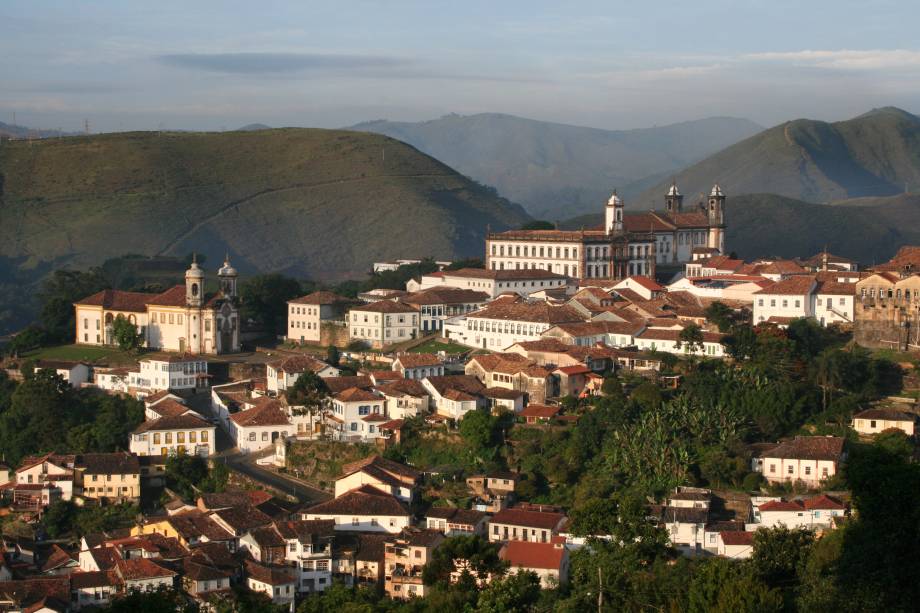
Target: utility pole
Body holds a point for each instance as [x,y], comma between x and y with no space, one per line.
[600,591]
[86,126]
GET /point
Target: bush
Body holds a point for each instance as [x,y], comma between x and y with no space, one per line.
[752,482]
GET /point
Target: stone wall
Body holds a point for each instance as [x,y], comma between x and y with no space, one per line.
[331,333]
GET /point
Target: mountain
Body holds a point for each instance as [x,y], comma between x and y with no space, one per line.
[314,203]
[249,127]
[8,130]
[875,154]
[556,170]
[869,230]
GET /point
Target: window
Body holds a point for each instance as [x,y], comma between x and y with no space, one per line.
[180,437]
[265,436]
[772,468]
[790,469]
[192,437]
[252,436]
[808,470]
[156,438]
[204,436]
[168,438]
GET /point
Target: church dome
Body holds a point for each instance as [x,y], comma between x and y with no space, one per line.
[615,200]
[194,270]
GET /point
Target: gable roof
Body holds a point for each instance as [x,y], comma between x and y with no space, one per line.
[808,448]
[443,294]
[467,384]
[108,463]
[403,387]
[320,298]
[503,275]
[530,312]
[737,537]
[299,364]
[355,394]
[524,554]
[342,383]
[271,575]
[529,518]
[385,306]
[187,421]
[417,360]
[886,415]
[539,411]
[117,300]
[364,500]
[401,471]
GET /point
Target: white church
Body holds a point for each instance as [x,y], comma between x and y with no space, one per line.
[183,318]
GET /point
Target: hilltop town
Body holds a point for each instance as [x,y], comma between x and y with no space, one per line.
[492,427]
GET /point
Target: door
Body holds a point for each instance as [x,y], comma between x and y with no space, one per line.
[181,345]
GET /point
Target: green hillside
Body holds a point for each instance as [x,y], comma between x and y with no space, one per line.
[322,204]
[763,225]
[556,170]
[875,154]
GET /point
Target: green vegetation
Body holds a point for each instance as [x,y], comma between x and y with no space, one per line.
[83,353]
[555,169]
[433,346]
[190,475]
[43,413]
[265,297]
[126,334]
[64,518]
[292,200]
[320,462]
[868,156]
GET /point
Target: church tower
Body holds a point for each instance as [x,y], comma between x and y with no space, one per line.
[194,285]
[716,215]
[673,200]
[226,276]
[613,215]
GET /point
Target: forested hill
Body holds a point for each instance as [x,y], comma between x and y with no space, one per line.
[875,154]
[555,170]
[323,204]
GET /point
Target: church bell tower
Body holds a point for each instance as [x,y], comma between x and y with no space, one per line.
[674,200]
[716,215]
[194,285]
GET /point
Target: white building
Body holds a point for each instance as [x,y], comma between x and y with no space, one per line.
[170,372]
[364,509]
[668,341]
[454,396]
[493,283]
[644,286]
[549,561]
[388,476]
[308,314]
[174,435]
[437,304]
[828,301]
[74,373]
[258,427]
[810,459]
[814,513]
[357,414]
[382,323]
[502,324]
[627,244]
[404,398]
[874,421]
[282,374]
[418,365]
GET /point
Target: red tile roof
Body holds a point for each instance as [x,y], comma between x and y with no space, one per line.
[365,500]
[530,312]
[522,554]
[173,422]
[539,411]
[141,568]
[267,412]
[737,537]
[575,369]
[117,300]
[808,448]
[781,505]
[174,296]
[416,360]
[385,306]
[446,295]
[531,519]
[503,275]
[646,283]
[823,502]
[320,298]
[355,394]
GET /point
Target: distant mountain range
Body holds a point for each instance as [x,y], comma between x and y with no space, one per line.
[557,171]
[875,154]
[322,204]
[9,130]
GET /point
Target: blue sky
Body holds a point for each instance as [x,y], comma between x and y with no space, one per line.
[199,64]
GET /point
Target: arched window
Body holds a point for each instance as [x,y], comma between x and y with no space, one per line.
[132,319]
[109,318]
[194,289]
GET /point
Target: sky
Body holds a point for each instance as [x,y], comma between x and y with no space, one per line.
[198,64]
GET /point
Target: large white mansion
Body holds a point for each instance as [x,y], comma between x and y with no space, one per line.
[628,243]
[183,318]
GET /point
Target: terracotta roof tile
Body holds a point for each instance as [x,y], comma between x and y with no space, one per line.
[321,298]
[385,306]
[530,312]
[267,412]
[529,518]
[117,300]
[523,554]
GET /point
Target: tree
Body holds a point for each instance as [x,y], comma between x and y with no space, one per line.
[478,429]
[184,473]
[265,299]
[511,594]
[333,356]
[647,395]
[725,586]
[780,554]
[57,295]
[27,339]
[721,315]
[480,555]
[309,391]
[126,334]
[612,388]
[692,338]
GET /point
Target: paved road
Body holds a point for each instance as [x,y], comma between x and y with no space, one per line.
[246,465]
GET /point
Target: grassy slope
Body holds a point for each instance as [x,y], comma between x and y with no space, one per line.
[868,156]
[770,225]
[318,203]
[558,170]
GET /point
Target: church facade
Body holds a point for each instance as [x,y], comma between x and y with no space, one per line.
[182,319]
[627,244]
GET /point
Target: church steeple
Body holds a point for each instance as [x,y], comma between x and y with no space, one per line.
[227,276]
[674,200]
[194,284]
[613,215]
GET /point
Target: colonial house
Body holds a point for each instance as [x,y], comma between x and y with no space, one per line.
[874,421]
[500,325]
[282,374]
[512,371]
[356,414]
[493,283]
[810,459]
[170,372]
[817,512]
[363,509]
[259,427]
[888,306]
[418,365]
[173,435]
[525,524]
[404,398]
[308,548]
[276,582]
[398,480]
[590,333]
[181,319]
[785,300]
[74,373]
[735,544]
[109,477]
[645,287]
[308,315]
[383,323]
[144,575]
[437,304]
[454,396]
[668,341]
[549,561]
